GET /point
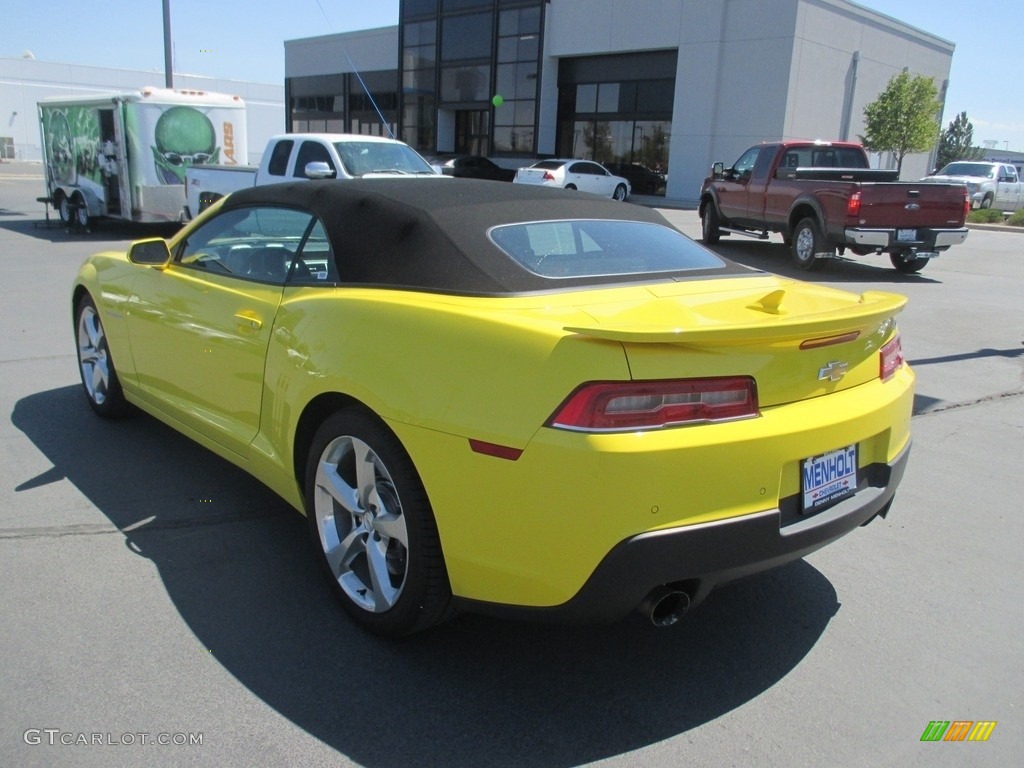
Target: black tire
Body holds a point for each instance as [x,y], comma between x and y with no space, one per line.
[986,201]
[907,266]
[375,534]
[710,232]
[619,193]
[571,186]
[64,211]
[808,241]
[95,365]
[82,219]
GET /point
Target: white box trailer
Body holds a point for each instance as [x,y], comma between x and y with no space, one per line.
[124,155]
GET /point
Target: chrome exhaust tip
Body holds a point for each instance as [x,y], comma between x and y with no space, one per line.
[664,606]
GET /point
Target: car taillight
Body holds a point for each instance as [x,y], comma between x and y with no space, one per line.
[613,406]
[853,205]
[549,176]
[967,202]
[890,358]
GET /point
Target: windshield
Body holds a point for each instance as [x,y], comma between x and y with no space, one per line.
[589,248]
[984,170]
[363,157]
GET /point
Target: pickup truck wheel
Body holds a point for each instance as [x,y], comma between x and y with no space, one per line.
[808,241]
[709,225]
[905,265]
[987,201]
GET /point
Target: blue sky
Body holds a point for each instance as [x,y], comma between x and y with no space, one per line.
[244,40]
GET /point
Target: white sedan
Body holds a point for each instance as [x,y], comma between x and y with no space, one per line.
[584,175]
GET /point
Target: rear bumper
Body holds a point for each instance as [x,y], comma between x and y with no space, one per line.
[697,558]
[928,239]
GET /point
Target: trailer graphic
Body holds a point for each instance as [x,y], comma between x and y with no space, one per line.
[124,155]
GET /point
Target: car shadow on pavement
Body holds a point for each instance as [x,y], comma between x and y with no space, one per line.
[106,230]
[235,561]
[775,257]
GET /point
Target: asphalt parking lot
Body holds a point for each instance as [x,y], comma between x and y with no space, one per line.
[160,607]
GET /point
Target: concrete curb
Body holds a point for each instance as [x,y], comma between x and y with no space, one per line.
[995,227]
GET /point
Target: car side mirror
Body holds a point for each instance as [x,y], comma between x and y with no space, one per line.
[150,253]
[319,170]
[718,171]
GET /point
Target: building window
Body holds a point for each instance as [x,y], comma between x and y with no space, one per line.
[617,110]
[516,80]
[477,61]
[465,83]
[466,37]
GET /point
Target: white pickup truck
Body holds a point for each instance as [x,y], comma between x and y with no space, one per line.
[989,185]
[302,157]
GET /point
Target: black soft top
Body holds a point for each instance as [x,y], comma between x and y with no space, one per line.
[431,233]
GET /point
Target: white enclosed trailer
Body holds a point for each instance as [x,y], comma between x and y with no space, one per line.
[124,155]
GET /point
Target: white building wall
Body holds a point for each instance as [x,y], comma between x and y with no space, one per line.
[369,50]
[843,58]
[753,70]
[613,26]
[731,85]
[23,82]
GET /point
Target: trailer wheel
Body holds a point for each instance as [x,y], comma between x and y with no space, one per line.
[63,206]
[82,218]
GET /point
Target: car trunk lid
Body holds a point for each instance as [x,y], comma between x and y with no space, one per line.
[797,341]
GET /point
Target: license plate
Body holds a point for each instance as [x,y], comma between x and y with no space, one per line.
[906,235]
[829,477]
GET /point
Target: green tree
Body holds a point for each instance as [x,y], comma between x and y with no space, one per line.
[957,142]
[903,119]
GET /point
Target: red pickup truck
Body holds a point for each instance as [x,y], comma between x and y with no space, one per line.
[821,196]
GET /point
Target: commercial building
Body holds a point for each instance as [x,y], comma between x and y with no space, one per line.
[659,88]
[25,81]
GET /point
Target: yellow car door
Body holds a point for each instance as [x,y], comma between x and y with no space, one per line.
[200,328]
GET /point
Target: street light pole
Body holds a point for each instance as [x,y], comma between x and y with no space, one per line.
[168,59]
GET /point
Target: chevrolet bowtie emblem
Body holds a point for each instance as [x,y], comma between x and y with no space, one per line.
[834,371]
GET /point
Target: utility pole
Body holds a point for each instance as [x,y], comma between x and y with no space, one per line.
[168,58]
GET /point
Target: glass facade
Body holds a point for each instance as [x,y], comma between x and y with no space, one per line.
[468,82]
[618,112]
[475,63]
[344,103]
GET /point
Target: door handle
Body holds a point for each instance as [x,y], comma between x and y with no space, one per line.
[250,319]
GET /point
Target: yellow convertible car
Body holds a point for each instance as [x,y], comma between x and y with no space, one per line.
[505,399]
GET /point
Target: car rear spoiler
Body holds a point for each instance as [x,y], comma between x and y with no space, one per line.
[774,322]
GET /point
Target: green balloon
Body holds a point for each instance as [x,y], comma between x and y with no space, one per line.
[498,100]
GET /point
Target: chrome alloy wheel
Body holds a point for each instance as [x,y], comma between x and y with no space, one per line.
[804,244]
[361,525]
[92,355]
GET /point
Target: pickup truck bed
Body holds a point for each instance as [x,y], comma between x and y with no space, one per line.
[304,157]
[208,183]
[821,208]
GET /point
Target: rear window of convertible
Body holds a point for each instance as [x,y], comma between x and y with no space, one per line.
[600,247]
